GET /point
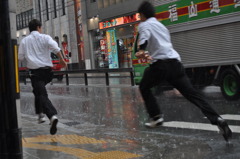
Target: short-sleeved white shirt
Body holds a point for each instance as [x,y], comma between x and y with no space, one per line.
[36,48]
[159,40]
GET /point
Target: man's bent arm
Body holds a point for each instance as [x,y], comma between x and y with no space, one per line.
[61,59]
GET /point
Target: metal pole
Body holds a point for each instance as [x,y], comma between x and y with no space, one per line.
[85,79]
[67,79]
[107,78]
[10,133]
[132,78]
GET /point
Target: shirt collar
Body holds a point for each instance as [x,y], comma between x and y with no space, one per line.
[35,33]
[151,19]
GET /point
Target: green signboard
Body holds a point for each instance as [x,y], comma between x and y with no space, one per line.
[189,10]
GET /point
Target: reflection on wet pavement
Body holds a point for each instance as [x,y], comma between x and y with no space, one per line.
[117,115]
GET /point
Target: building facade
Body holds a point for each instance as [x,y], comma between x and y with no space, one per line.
[92,33]
[58,21]
[112,26]
[57,17]
[24,14]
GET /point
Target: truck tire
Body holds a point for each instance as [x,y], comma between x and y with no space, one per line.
[230,84]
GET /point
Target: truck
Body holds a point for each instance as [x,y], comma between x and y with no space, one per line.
[206,34]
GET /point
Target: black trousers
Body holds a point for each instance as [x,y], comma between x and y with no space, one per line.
[40,78]
[173,72]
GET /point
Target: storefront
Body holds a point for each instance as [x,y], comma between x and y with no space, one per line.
[113,42]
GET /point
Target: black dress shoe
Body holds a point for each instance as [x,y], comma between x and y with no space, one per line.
[224,129]
[54,122]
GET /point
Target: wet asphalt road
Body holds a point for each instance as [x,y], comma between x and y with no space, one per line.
[117,113]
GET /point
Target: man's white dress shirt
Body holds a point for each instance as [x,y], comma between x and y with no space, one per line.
[159,40]
[36,48]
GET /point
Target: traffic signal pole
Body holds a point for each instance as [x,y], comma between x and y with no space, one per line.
[10,133]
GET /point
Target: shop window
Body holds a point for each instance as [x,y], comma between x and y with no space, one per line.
[118,56]
[23,19]
[19,21]
[122,46]
[27,18]
[39,10]
[100,49]
[47,11]
[55,8]
[31,14]
[63,7]
[25,14]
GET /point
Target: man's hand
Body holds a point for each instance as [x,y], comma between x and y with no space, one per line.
[142,54]
[63,63]
[148,57]
[61,60]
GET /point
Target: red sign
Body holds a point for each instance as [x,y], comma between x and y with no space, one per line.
[65,48]
[79,29]
[119,21]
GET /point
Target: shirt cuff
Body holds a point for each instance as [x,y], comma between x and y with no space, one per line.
[56,51]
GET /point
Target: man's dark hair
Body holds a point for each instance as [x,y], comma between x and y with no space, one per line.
[33,24]
[147,9]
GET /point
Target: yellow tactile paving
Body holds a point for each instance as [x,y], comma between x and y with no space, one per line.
[74,139]
[64,139]
[71,151]
[114,155]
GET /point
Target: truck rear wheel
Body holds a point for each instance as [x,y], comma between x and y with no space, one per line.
[230,85]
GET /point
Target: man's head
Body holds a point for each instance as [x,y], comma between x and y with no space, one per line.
[35,25]
[146,10]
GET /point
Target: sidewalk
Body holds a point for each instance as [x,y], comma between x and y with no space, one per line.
[70,143]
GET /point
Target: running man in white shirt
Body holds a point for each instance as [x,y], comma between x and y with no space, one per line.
[36,48]
[166,66]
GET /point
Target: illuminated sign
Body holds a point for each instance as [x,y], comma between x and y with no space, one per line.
[119,21]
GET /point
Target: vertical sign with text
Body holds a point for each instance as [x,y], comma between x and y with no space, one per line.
[112,49]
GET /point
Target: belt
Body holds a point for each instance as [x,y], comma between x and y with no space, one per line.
[42,68]
[166,60]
